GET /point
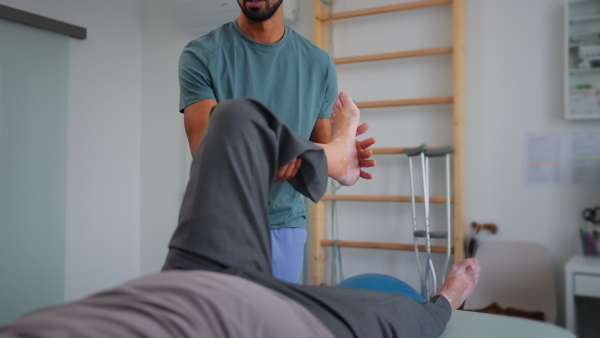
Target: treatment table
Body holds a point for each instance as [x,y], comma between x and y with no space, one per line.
[467,324]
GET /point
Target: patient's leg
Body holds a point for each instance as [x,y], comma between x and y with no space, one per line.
[191,304]
[224,227]
[223,222]
[342,161]
[373,313]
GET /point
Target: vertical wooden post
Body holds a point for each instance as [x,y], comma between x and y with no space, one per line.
[459,127]
[319,27]
[319,217]
[318,252]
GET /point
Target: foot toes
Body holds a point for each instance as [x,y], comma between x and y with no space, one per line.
[337,104]
[345,99]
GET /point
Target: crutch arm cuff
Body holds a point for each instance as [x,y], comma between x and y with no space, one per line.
[439,151]
[410,152]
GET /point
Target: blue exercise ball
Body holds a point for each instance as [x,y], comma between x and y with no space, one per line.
[380,282]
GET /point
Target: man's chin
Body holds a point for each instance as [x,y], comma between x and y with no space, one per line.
[259,14]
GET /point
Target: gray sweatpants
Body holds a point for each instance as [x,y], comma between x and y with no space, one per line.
[224,224]
[186,304]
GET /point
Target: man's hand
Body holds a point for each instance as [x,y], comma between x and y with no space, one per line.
[363,151]
[288,171]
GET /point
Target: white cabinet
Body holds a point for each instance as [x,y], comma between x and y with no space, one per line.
[582,59]
[582,279]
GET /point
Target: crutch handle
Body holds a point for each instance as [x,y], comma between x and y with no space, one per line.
[493,228]
[410,152]
[432,234]
[439,151]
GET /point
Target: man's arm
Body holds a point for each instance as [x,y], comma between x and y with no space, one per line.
[321,132]
[195,119]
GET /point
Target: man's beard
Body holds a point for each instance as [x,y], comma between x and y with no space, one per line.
[259,15]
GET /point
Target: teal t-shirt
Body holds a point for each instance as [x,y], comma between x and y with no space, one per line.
[293,77]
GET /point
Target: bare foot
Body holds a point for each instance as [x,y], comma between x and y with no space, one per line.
[461,282]
[342,157]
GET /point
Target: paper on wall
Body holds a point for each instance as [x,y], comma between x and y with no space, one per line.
[562,159]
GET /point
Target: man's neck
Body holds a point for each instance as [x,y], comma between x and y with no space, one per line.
[267,32]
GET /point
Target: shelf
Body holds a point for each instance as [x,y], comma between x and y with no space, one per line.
[584,18]
[583,117]
[584,43]
[584,71]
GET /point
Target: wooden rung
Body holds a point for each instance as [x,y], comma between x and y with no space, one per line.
[384,9]
[383,245]
[388,151]
[406,102]
[395,55]
[391,151]
[383,198]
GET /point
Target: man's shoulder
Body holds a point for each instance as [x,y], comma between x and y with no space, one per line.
[307,46]
[212,41]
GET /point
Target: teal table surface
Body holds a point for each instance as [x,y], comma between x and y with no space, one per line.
[465,324]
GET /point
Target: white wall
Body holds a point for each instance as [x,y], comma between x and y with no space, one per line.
[164,145]
[127,155]
[515,85]
[103,183]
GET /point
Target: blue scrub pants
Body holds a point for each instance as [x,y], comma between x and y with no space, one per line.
[287,249]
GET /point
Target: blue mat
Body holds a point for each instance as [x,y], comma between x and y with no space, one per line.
[380,282]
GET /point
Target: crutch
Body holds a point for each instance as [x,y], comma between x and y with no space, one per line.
[445,152]
[423,273]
